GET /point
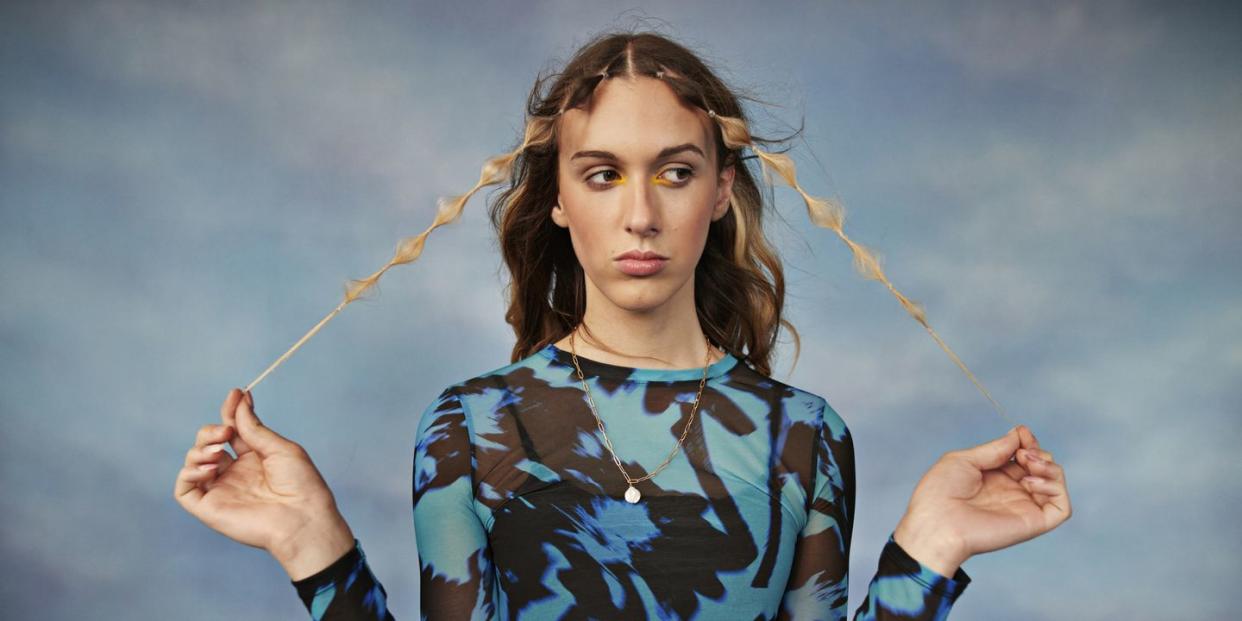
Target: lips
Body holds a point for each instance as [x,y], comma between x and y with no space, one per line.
[641,263]
[639,267]
[642,255]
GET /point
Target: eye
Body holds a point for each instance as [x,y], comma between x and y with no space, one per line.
[676,180]
[689,172]
[606,171]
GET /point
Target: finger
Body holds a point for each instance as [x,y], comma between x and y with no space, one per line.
[1028,438]
[230,404]
[1056,507]
[208,434]
[1035,464]
[206,475]
[1014,471]
[261,439]
[210,454]
[1032,445]
[1026,456]
[1047,469]
[186,490]
[995,453]
[228,414]
[1038,484]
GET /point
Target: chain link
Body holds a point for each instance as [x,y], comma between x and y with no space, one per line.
[707,363]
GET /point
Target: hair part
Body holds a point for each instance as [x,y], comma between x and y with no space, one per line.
[739,281]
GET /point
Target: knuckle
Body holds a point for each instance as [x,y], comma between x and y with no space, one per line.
[204,432]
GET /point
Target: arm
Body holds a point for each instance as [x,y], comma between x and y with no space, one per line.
[902,589]
[454,556]
[346,590]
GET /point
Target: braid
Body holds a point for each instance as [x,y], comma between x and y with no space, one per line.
[496,170]
[831,215]
[761,298]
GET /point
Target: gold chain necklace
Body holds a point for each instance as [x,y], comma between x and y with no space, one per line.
[632,494]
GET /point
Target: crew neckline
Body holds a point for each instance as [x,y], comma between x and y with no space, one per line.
[638,374]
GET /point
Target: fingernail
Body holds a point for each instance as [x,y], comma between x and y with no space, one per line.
[207,466]
[213,448]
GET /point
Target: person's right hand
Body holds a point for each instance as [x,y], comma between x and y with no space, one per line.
[269,496]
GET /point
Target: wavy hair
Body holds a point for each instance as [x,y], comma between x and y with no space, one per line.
[739,282]
[739,285]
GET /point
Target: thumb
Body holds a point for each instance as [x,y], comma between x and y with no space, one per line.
[995,453]
[260,438]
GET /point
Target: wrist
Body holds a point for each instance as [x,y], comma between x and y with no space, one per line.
[314,548]
[941,551]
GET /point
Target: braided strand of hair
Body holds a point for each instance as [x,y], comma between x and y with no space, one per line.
[831,215]
[496,170]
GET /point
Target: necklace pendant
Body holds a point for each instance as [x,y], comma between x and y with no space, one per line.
[632,495]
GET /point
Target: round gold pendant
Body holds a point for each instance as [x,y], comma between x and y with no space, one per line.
[632,495]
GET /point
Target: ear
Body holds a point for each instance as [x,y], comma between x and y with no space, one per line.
[558,214]
[724,189]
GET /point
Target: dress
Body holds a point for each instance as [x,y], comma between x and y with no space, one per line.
[519,511]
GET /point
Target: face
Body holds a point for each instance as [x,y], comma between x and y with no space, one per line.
[637,172]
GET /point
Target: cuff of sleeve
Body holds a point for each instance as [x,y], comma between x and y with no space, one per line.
[895,557]
[333,574]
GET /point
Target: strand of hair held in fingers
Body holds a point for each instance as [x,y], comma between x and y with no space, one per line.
[831,215]
[496,170]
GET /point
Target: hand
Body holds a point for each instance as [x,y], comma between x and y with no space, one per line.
[978,500]
[269,496]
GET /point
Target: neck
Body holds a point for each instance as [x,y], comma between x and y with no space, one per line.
[667,337]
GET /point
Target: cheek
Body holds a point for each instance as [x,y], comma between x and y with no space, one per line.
[692,230]
[589,243]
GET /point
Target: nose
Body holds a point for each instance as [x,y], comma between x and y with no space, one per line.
[643,217]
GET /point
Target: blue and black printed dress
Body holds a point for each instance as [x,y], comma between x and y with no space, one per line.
[519,510]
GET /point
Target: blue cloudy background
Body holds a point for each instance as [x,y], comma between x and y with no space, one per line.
[186,188]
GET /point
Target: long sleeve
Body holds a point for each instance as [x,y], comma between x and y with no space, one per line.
[902,589]
[346,590]
[455,561]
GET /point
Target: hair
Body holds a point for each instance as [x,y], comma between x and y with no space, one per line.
[739,282]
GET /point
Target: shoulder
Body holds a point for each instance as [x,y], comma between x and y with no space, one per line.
[800,405]
[508,378]
[490,388]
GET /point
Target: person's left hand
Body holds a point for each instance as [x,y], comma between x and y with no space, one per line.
[977,500]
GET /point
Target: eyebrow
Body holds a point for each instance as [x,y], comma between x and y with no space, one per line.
[665,152]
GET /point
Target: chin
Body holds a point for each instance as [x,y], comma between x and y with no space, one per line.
[640,294]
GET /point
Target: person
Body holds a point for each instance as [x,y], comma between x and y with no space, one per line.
[635,459]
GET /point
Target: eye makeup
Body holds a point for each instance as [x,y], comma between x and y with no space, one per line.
[656,180]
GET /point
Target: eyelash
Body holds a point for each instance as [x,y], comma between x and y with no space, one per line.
[690,174]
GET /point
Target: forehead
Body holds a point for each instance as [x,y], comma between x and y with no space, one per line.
[634,118]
